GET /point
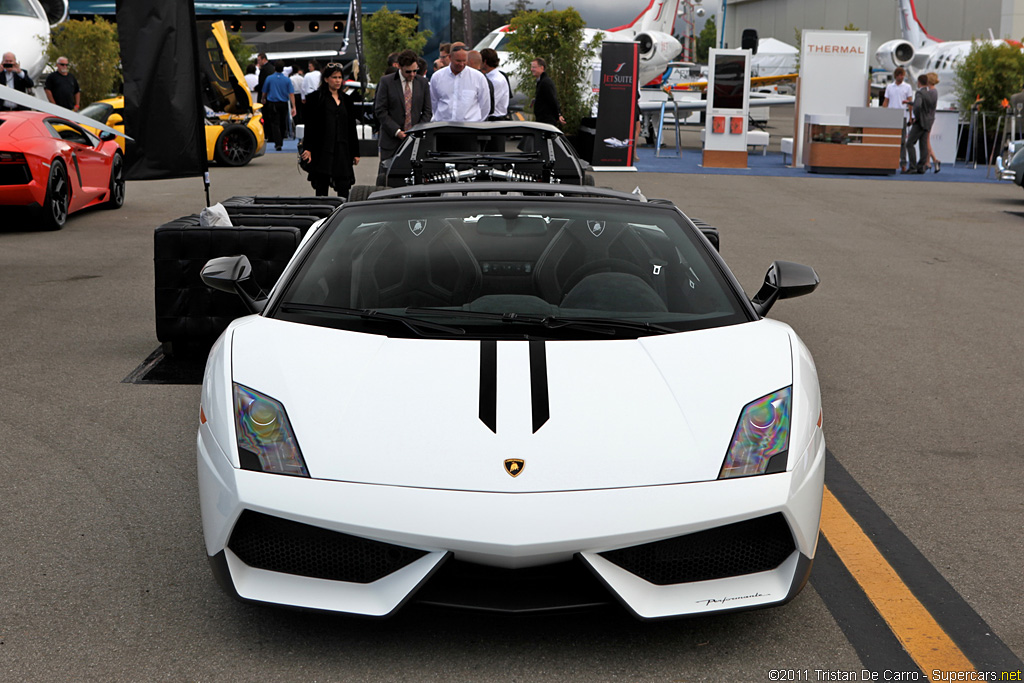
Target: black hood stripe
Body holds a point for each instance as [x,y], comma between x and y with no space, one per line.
[539,384]
[489,384]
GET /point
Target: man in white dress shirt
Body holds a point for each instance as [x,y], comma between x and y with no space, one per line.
[458,93]
[499,81]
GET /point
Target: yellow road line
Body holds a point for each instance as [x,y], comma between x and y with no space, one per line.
[921,636]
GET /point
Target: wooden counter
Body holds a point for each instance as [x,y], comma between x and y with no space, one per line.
[850,149]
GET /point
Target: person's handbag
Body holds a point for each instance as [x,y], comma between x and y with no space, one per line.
[303,164]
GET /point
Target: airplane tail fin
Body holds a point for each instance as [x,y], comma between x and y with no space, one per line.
[910,26]
[659,15]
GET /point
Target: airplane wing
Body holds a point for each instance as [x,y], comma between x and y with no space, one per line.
[46,107]
[700,105]
[754,80]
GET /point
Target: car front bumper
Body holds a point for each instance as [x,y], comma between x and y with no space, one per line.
[513,533]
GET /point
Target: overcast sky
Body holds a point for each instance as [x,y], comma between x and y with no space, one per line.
[597,13]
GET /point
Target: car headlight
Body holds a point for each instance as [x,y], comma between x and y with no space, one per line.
[266,442]
[760,443]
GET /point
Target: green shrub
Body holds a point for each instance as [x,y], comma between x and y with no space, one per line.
[95,56]
[707,39]
[557,37]
[385,32]
[241,50]
[991,72]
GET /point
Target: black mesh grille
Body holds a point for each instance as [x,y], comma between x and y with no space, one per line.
[756,545]
[280,545]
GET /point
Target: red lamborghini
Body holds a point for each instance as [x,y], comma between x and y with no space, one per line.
[51,163]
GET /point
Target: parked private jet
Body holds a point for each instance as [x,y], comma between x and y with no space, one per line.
[25,30]
[651,29]
[918,52]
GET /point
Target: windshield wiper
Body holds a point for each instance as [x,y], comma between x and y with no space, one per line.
[415,325]
[551,322]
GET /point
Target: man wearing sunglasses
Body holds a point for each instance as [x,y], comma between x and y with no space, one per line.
[402,101]
[62,88]
[14,77]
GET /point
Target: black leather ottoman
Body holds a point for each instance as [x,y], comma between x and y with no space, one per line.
[189,315]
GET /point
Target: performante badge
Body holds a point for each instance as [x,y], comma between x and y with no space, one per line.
[514,466]
[417,226]
[596,227]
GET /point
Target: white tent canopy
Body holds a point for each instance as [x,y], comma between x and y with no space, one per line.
[773,58]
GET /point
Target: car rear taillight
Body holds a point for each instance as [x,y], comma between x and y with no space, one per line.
[14,169]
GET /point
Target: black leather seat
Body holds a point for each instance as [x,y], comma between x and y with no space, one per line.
[409,263]
[584,247]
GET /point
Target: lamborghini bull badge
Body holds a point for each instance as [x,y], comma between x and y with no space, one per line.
[514,466]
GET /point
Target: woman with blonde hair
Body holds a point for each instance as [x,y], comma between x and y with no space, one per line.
[933,80]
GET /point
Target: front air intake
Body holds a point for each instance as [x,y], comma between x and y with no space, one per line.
[281,545]
[756,545]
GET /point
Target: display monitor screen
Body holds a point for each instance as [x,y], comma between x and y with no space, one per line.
[729,80]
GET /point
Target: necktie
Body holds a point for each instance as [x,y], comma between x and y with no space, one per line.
[408,106]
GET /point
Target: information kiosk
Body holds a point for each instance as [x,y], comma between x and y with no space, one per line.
[725,132]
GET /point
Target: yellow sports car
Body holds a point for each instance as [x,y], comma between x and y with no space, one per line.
[234,125]
[231,139]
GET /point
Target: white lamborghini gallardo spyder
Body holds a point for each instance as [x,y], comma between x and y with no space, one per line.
[511,398]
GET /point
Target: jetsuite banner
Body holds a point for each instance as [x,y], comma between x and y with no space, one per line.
[616,105]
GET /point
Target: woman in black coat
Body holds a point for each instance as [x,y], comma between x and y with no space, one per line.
[330,143]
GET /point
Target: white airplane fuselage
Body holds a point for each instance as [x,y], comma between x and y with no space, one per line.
[920,53]
[652,29]
[20,33]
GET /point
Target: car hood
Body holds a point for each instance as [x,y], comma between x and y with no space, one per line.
[414,412]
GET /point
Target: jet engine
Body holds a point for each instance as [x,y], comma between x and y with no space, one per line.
[653,44]
[894,53]
[56,11]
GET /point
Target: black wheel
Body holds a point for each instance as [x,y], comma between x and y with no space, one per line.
[360,193]
[236,146]
[58,198]
[117,185]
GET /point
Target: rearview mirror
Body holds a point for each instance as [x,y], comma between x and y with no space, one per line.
[115,120]
[233,274]
[784,280]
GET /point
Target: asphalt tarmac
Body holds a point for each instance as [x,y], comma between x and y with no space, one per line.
[916,330]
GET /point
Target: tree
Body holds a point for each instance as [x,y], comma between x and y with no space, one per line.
[242,50]
[385,32]
[95,56]
[557,37]
[989,72]
[706,39]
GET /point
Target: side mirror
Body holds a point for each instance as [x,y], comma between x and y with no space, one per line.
[784,280]
[107,137]
[115,120]
[233,274]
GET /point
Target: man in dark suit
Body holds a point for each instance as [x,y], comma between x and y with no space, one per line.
[923,111]
[545,101]
[389,104]
[13,77]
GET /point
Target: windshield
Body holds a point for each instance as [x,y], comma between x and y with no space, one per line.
[19,8]
[511,264]
[98,111]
